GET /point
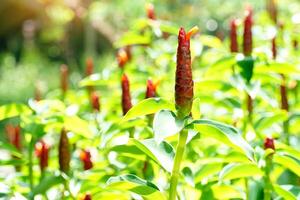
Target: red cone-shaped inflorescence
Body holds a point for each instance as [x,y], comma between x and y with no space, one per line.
[151,89]
[283,94]
[42,152]
[233,36]
[64,152]
[126,98]
[184,81]
[247,37]
[85,157]
[274,48]
[272,10]
[64,71]
[89,68]
[95,101]
[122,57]
[150,11]
[87,197]
[14,135]
[269,143]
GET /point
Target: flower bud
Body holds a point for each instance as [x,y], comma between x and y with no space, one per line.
[233,36]
[14,135]
[150,11]
[95,101]
[64,152]
[42,151]
[85,157]
[274,48]
[269,143]
[247,37]
[87,197]
[184,81]
[122,57]
[151,89]
[64,78]
[126,98]
[89,66]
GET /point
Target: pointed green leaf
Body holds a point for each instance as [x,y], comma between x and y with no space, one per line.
[146,107]
[239,170]
[13,110]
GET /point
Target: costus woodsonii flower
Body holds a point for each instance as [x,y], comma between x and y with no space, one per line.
[272,10]
[269,143]
[95,101]
[247,36]
[122,57]
[87,197]
[14,135]
[151,89]
[150,11]
[274,48]
[233,36]
[64,71]
[42,152]
[85,157]
[126,97]
[184,81]
[64,152]
[89,68]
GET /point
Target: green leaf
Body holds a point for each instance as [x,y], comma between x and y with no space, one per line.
[78,126]
[268,119]
[284,191]
[93,80]
[132,38]
[287,162]
[163,153]
[11,148]
[276,67]
[247,65]
[223,133]
[196,113]
[146,107]
[166,124]
[188,175]
[239,170]
[134,184]
[207,171]
[211,41]
[227,192]
[13,110]
[46,184]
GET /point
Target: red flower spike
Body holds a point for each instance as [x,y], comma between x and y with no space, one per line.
[14,135]
[87,197]
[233,36]
[85,157]
[64,71]
[184,81]
[64,152]
[122,57]
[42,151]
[247,37]
[274,48]
[283,94]
[272,10]
[95,101]
[151,89]
[126,98]
[269,143]
[150,11]
[128,51]
[89,66]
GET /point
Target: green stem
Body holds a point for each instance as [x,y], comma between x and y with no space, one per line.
[30,163]
[268,184]
[176,167]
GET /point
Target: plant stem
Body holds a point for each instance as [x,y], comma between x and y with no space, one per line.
[268,184]
[176,167]
[30,164]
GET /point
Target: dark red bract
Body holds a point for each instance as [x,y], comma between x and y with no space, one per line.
[122,57]
[274,48]
[183,81]
[150,11]
[89,66]
[95,101]
[233,36]
[247,36]
[42,151]
[87,197]
[85,157]
[14,135]
[126,98]
[269,143]
[151,89]
[64,156]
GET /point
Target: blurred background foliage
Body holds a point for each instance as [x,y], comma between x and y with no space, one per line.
[37,36]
